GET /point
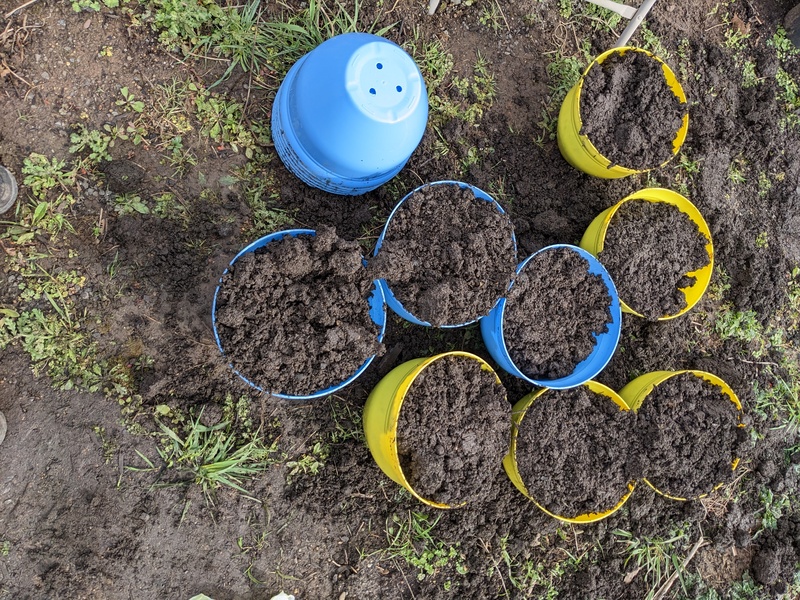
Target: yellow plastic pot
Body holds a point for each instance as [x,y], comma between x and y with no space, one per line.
[383,408]
[594,238]
[510,460]
[635,393]
[579,151]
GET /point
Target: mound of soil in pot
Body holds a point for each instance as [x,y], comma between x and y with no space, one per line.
[689,437]
[293,316]
[572,451]
[649,248]
[629,112]
[447,255]
[552,310]
[453,431]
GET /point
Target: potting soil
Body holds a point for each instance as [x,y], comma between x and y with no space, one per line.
[552,310]
[689,437]
[629,112]
[453,431]
[649,248]
[572,451]
[293,316]
[447,255]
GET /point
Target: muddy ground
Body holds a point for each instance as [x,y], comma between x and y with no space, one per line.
[76,519]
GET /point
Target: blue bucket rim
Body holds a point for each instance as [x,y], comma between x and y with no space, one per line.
[390,298]
[614,328]
[376,302]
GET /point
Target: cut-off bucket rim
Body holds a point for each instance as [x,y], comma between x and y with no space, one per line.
[594,237]
[377,313]
[578,148]
[510,461]
[395,304]
[635,394]
[381,416]
[493,331]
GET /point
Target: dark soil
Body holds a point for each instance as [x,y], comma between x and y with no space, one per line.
[552,310]
[453,431]
[648,250]
[293,316]
[572,451]
[447,255]
[689,436]
[629,112]
[75,522]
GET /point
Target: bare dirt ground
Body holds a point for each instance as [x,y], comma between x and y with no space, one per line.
[128,214]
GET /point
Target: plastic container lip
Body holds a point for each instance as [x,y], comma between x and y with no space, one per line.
[592,364]
[510,460]
[377,312]
[8,190]
[635,394]
[593,241]
[579,150]
[391,300]
[385,454]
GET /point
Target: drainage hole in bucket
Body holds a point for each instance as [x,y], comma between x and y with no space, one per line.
[372,91]
[399,88]
[379,65]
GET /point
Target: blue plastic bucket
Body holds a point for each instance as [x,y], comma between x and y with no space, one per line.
[391,300]
[377,312]
[349,114]
[605,343]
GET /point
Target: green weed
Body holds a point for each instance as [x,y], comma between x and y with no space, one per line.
[750,78]
[764,184]
[213,456]
[772,509]
[129,101]
[310,463]
[42,175]
[563,73]
[411,539]
[658,557]
[128,204]
[783,46]
[94,144]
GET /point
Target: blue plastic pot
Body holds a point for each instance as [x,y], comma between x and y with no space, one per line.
[377,312]
[605,345]
[391,300]
[349,114]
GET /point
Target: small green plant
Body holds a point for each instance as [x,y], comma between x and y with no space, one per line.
[492,17]
[652,43]
[129,203]
[308,464]
[95,5]
[773,508]
[129,101]
[764,184]
[784,47]
[750,78]
[411,539]
[214,456]
[656,556]
[93,143]
[563,73]
[534,579]
[42,175]
[738,325]
[5,548]
[762,240]
[736,171]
